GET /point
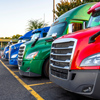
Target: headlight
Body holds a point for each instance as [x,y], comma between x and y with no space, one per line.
[93,60]
[14,56]
[7,52]
[32,55]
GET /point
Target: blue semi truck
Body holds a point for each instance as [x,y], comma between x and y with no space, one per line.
[14,49]
[6,51]
[21,39]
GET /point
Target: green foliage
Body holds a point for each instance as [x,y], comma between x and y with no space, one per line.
[35,24]
[13,37]
[91,1]
[1,37]
[16,36]
[64,5]
[7,37]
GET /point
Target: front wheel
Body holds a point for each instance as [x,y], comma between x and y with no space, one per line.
[46,68]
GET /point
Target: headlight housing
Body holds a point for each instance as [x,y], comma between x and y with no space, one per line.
[7,52]
[93,60]
[14,56]
[32,55]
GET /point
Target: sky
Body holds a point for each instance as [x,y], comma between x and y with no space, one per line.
[15,14]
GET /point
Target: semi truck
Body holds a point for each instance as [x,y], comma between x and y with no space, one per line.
[31,35]
[33,57]
[13,49]
[75,58]
[5,54]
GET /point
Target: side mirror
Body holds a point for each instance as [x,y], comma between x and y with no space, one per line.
[10,40]
[54,35]
[84,25]
[70,28]
[9,43]
[36,37]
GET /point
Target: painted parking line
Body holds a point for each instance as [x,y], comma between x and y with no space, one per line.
[40,84]
[9,65]
[15,71]
[35,94]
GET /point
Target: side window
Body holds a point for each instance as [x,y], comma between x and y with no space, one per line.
[44,34]
[77,26]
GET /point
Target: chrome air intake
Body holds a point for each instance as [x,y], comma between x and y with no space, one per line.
[62,51]
[9,51]
[21,54]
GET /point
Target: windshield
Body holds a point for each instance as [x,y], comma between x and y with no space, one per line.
[35,35]
[94,19]
[19,41]
[23,40]
[58,28]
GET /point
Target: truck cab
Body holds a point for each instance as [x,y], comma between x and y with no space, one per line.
[35,54]
[6,51]
[14,49]
[75,58]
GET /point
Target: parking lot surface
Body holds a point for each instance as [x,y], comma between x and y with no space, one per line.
[15,87]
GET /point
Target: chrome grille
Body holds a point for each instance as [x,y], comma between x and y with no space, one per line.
[59,72]
[9,52]
[61,56]
[21,54]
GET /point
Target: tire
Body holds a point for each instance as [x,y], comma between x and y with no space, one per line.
[46,68]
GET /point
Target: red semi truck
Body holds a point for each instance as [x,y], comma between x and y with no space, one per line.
[75,58]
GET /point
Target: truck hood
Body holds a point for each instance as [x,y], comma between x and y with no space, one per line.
[39,42]
[17,45]
[83,33]
[27,35]
[83,48]
[14,49]
[42,45]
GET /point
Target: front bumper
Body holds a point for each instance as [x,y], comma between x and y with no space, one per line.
[85,82]
[31,68]
[13,62]
[29,74]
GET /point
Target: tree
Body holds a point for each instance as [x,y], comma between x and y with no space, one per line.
[7,37]
[65,6]
[35,24]
[16,36]
[91,1]
[1,37]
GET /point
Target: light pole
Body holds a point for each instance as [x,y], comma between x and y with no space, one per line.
[53,10]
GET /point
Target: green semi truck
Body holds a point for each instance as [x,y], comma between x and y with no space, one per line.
[33,56]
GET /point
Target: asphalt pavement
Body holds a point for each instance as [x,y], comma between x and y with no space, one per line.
[15,87]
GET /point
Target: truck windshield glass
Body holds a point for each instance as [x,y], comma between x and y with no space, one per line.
[23,40]
[94,19]
[19,41]
[35,35]
[58,28]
